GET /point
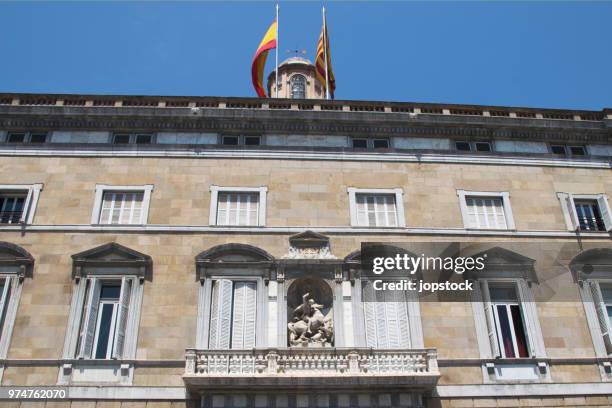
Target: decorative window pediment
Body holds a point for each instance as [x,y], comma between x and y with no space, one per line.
[309,245]
[504,263]
[232,258]
[112,259]
[15,259]
[592,264]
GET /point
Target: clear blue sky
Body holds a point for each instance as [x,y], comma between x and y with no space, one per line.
[547,54]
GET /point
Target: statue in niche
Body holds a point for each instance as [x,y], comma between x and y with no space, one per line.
[310,328]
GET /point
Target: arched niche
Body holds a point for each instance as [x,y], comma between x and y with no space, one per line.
[311,290]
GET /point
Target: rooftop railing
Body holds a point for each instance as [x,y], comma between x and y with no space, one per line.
[300,105]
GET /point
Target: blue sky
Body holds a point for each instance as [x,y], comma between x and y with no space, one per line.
[545,54]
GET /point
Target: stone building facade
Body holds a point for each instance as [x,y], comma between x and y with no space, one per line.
[153,251]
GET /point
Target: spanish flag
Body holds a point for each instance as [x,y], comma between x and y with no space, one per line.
[259,61]
[324,70]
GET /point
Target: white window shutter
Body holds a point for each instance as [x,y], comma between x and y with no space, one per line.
[602,315]
[4,297]
[397,319]
[244,315]
[491,329]
[571,209]
[91,315]
[369,309]
[381,322]
[221,315]
[604,210]
[529,313]
[124,305]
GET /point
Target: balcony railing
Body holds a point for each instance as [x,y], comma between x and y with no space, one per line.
[10,217]
[405,366]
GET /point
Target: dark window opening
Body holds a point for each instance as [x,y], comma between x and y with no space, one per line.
[252,140]
[381,143]
[483,147]
[143,139]
[121,139]
[577,151]
[557,149]
[463,146]
[16,138]
[38,138]
[230,140]
[360,143]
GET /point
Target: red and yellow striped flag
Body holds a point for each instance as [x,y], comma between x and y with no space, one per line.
[324,70]
[259,61]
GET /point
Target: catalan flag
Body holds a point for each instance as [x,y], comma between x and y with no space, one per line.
[323,67]
[259,61]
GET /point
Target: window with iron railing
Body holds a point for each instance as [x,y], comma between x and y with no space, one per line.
[589,216]
[11,208]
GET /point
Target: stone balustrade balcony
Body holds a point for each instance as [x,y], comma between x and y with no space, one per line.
[312,367]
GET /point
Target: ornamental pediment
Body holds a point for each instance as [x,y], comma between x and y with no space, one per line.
[309,245]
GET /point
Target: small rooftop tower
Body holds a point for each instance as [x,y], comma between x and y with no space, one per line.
[297,80]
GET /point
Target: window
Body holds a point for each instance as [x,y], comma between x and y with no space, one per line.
[298,87]
[568,150]
[230,140]
[233,314]
[11,208]
[104,314]
[238,206]
[132,138]
[586,212]
[463,146]
[252,140]
[386,318]
[16,138]
[121,204]
[597,297]
[231,298]
[359,143]
[26,137]
[370,143]
[380,143]
[18,203]
[466,146]
[589,217]
[512,326]
[376,210]
[508,320]
[249,140]
[104,318]
[376,207]
[482,210]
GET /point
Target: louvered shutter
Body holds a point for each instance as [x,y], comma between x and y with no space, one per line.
[488,308]
[381,320]
[602,315]
[221,315]
[369,311]
[571,209]
[244,315]
[528,312]
[122,316]
[91,315]
[397,319]
[604,210]
[4,300]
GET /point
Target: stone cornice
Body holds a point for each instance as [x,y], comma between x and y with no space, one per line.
[300,122]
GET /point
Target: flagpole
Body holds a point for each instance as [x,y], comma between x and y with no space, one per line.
[277,44]
[325,54]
